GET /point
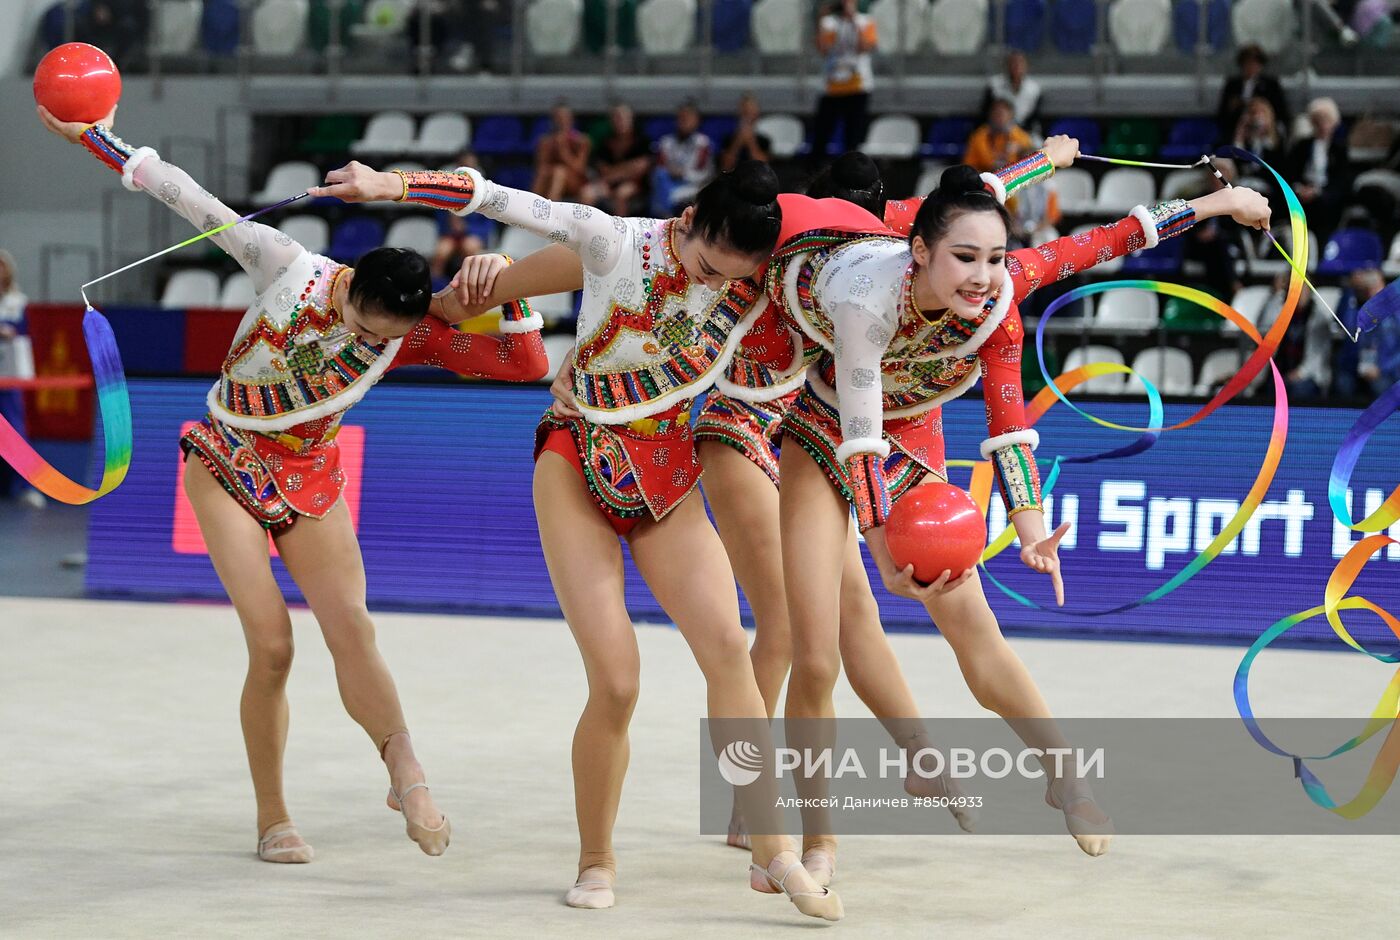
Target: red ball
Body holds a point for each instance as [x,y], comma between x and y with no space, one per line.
[77,82]
[936,527]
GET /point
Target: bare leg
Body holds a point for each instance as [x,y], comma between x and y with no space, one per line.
[585,565]
[683,562]
[815,519]
[323,556]
[238,548]
[1000,682]
[875,676]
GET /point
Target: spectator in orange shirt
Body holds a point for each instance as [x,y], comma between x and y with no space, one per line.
[998,142]
[846,37]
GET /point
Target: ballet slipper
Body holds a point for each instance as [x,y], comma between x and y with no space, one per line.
[286,854]
[820,864]
[823,902]
[944,787]
[1092,836]
[593,891]
[433,841]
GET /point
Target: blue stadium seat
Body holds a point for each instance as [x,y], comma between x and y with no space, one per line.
[1349,249]
[1074,24]
[1189,138]
[1164,259]
[218,27]
[731,30]
[53,26]
[1086,129]
[354,237]
[500,135]
[1186,21]
[516,177]
[1025,24]
[718,128]
[947,138]
[542,126]
[655,128]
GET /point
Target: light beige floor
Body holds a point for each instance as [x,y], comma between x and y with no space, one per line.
[127,812]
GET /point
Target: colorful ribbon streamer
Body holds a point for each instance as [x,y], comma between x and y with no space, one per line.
[112,402]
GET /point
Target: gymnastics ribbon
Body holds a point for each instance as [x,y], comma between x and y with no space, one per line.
[113,404]
[1265,346]
[1335,599]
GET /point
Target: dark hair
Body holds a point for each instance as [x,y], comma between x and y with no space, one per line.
[1251,52]
[853,177]
[394,282]
[739,209]
[960,191]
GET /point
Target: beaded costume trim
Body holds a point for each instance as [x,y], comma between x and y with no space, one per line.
[754,429]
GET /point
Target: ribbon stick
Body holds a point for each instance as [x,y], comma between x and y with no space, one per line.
[112,402]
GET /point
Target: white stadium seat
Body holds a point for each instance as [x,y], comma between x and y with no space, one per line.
[1140,27]
[279,26]
[386,132]
[1269,24]
[553,27]
[237,292]
[1127,310]
[1249,301]
[288,179]
[958,27]
[888,28]
[1076,189]
[1391,267]
[1122,188]
[1165,367]
[1216,370]
[777,26]
[785,131]
[177,26]
[1111,384]
[310,231]
[666,27]
[892,135]
[444,134]
[928,178]
[556,347]
[415,232]
[191,287]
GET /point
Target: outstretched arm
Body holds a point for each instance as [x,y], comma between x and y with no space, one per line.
[262,251]
[511,357]
[597,238]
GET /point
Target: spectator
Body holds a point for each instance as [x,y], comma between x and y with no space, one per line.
[1372,23]
[1251,82]
[462,33]
[1372,364]
[622,161]
[998,142]
[746,143]
[621,164]
[1305,353]
[1258,131]
[1016,87]
[1319,169]
[118,27]
[561,159]
[846,37]
[685,162]
[12,326]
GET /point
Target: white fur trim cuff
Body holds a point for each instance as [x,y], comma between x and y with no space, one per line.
[997,187]
[480,184]
[528,325]
[862,445]
[757,395]
[1149,225]
[993,444]
[134,161]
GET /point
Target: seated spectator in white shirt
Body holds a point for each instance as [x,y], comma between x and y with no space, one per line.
[685,162]
[1018,88]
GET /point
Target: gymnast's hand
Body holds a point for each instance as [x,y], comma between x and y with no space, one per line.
[356,182]
[72,131]
[1062,150]
[903,583]
[477,278]
[1043,555]
[562,388]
